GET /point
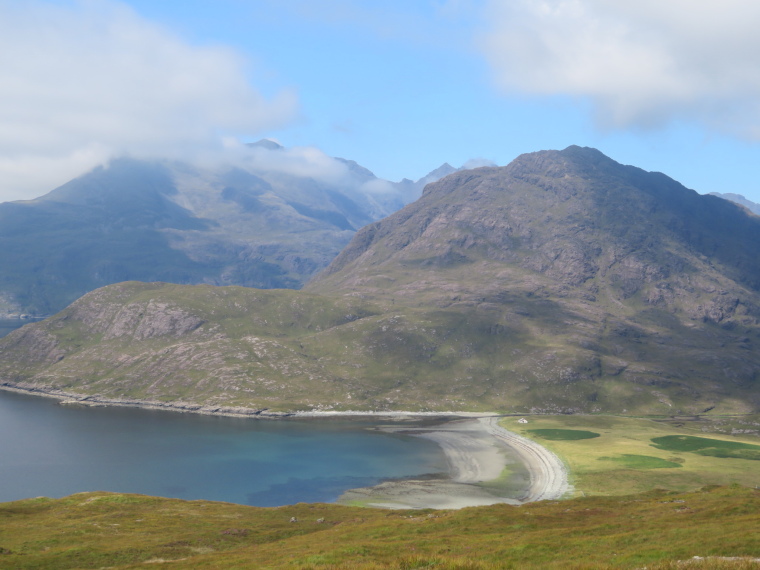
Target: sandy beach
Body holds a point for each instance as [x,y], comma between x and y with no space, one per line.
[478,451]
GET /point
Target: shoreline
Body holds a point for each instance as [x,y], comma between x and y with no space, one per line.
[478,453]
[66,398]
[488,465]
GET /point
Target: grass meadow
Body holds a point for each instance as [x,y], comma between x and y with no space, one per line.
[623,459]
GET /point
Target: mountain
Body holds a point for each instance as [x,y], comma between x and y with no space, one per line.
[271,218]
[739,199]
[563,282]
[569,224]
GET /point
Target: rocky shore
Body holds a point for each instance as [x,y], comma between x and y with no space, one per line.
[184,407]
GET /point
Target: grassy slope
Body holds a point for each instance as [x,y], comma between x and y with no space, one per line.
[292,350]
[614,464]
[95,530]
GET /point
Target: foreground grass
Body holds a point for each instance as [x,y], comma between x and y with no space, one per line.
[95,530]
[624,459]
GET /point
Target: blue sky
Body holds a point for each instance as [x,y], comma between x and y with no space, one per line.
[398,86]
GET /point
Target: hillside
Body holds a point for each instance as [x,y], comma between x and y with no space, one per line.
[656,530]
[271,217]
[563,282]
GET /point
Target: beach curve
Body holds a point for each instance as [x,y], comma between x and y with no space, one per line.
[548,474]
[477,450]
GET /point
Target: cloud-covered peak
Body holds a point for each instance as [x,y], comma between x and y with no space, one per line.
[85,82]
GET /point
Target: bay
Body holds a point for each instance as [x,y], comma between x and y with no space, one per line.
[53,450]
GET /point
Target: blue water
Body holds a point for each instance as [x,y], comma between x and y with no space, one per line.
[47,449]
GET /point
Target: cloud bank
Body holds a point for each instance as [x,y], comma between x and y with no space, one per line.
[82,83]
[641,64]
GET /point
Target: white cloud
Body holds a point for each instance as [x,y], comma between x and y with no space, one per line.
[79,84]
[477,163]
[640,63]
[305,161]
[378,186]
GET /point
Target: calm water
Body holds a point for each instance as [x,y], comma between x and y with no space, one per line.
[53,450]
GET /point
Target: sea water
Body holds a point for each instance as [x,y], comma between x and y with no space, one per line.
[53,450]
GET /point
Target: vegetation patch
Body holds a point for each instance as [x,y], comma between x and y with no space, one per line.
[655,530]
[623,437]
[564,434]
[632,461]
[708,447]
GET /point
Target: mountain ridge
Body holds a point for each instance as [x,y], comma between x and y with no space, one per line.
[272,220]
[739,199]
[563,282]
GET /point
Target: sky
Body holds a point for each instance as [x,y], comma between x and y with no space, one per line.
[400,86]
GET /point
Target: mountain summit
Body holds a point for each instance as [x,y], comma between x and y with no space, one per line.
[564,224]
[601,271]
[270,218]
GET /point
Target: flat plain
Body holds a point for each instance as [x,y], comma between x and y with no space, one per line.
[623,459]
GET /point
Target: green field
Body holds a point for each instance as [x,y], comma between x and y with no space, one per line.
[564,434]
[708,446]
[634,454]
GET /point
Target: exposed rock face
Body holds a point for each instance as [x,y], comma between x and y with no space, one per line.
[144,320]
[36,345]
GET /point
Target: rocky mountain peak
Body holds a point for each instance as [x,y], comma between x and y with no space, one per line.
[571,223]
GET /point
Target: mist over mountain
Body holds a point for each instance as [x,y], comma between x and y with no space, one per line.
[563,282]
[269,218]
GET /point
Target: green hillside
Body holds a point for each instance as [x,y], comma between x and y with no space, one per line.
[656,530]
[288,350]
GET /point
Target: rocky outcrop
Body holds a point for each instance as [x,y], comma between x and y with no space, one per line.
[34,345]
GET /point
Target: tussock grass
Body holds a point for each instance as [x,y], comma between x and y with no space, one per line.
[653,530]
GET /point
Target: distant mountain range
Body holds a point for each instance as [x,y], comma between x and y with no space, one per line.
[563,282]
[739,199]
[270,218]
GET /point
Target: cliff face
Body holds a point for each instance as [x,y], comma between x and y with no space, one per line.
[564,282]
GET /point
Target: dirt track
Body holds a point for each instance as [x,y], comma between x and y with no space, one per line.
[548,475]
